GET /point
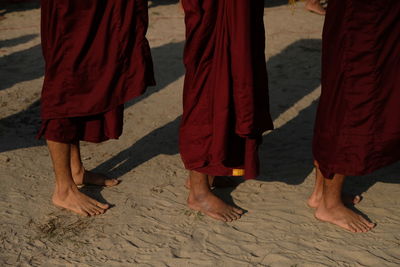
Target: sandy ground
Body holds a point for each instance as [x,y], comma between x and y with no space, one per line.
[150,224]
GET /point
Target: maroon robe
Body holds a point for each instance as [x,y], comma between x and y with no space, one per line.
[97,58]
[225,98]
[357,129]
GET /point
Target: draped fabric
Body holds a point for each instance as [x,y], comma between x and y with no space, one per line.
[225,98]
[96,128]
[96,56]
[357,129]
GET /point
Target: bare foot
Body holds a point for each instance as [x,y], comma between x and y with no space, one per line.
[202,199]
[214,207]
[91,178]
[315,199]
[73,200]
[315,6]
[344,218]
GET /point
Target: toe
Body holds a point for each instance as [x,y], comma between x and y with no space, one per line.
[94,212]
[359,227]
[366,222]
[86,212]
[217,216]
[238,211]
[111,182]
[232,216]
[357,199]
[90,210]
[351,227]
[82,212]
[235,215]
[364,227]
[98,210]
[101,205]
[227,217]
[371,224]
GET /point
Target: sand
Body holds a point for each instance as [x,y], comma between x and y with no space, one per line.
[149,223]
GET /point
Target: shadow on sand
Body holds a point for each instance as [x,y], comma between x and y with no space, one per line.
[164,57]
[295,73]
[286,153]
[274,3]
[8,6]
[155,3]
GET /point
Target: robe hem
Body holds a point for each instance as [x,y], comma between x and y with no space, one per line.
[38,137]
[218,169]
[126,99]
[329,170]
[42,132]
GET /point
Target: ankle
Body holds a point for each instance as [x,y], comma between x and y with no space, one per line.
[77,171]
[198,195]
[64,188]
[332,203]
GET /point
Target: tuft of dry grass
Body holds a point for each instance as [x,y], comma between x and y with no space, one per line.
[60,229]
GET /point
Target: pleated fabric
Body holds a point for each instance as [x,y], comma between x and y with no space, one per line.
[96,58]
[225,98]
[96,128]
[357,129]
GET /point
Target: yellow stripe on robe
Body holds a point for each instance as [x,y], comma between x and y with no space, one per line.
[238,172]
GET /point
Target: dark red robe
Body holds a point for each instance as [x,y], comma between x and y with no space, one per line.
[225,98]
[97,58]
[357,129]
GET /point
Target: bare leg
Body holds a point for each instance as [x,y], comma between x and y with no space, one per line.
[84,177]
[209,177]
[315,6]
[331,209]
[66,193]
[202,199]
[316,196]
[218,182]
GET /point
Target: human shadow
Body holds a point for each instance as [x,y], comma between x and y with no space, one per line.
[155,3]
[17,41]
[162,141]
[168,68]
[267,3]
[8,6]
[11,71]
[21,126]
[19,130]
[95,193]
[294,73]
[274,3]
[358,185]
[286,154]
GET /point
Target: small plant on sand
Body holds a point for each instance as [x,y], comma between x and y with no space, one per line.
[61,229]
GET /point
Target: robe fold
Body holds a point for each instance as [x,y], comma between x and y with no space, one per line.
[357,129]
[96,58]
[96,128]
[225,98]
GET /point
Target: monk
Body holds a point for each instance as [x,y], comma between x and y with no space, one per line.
[96,59]
[225,98]
[357,129]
